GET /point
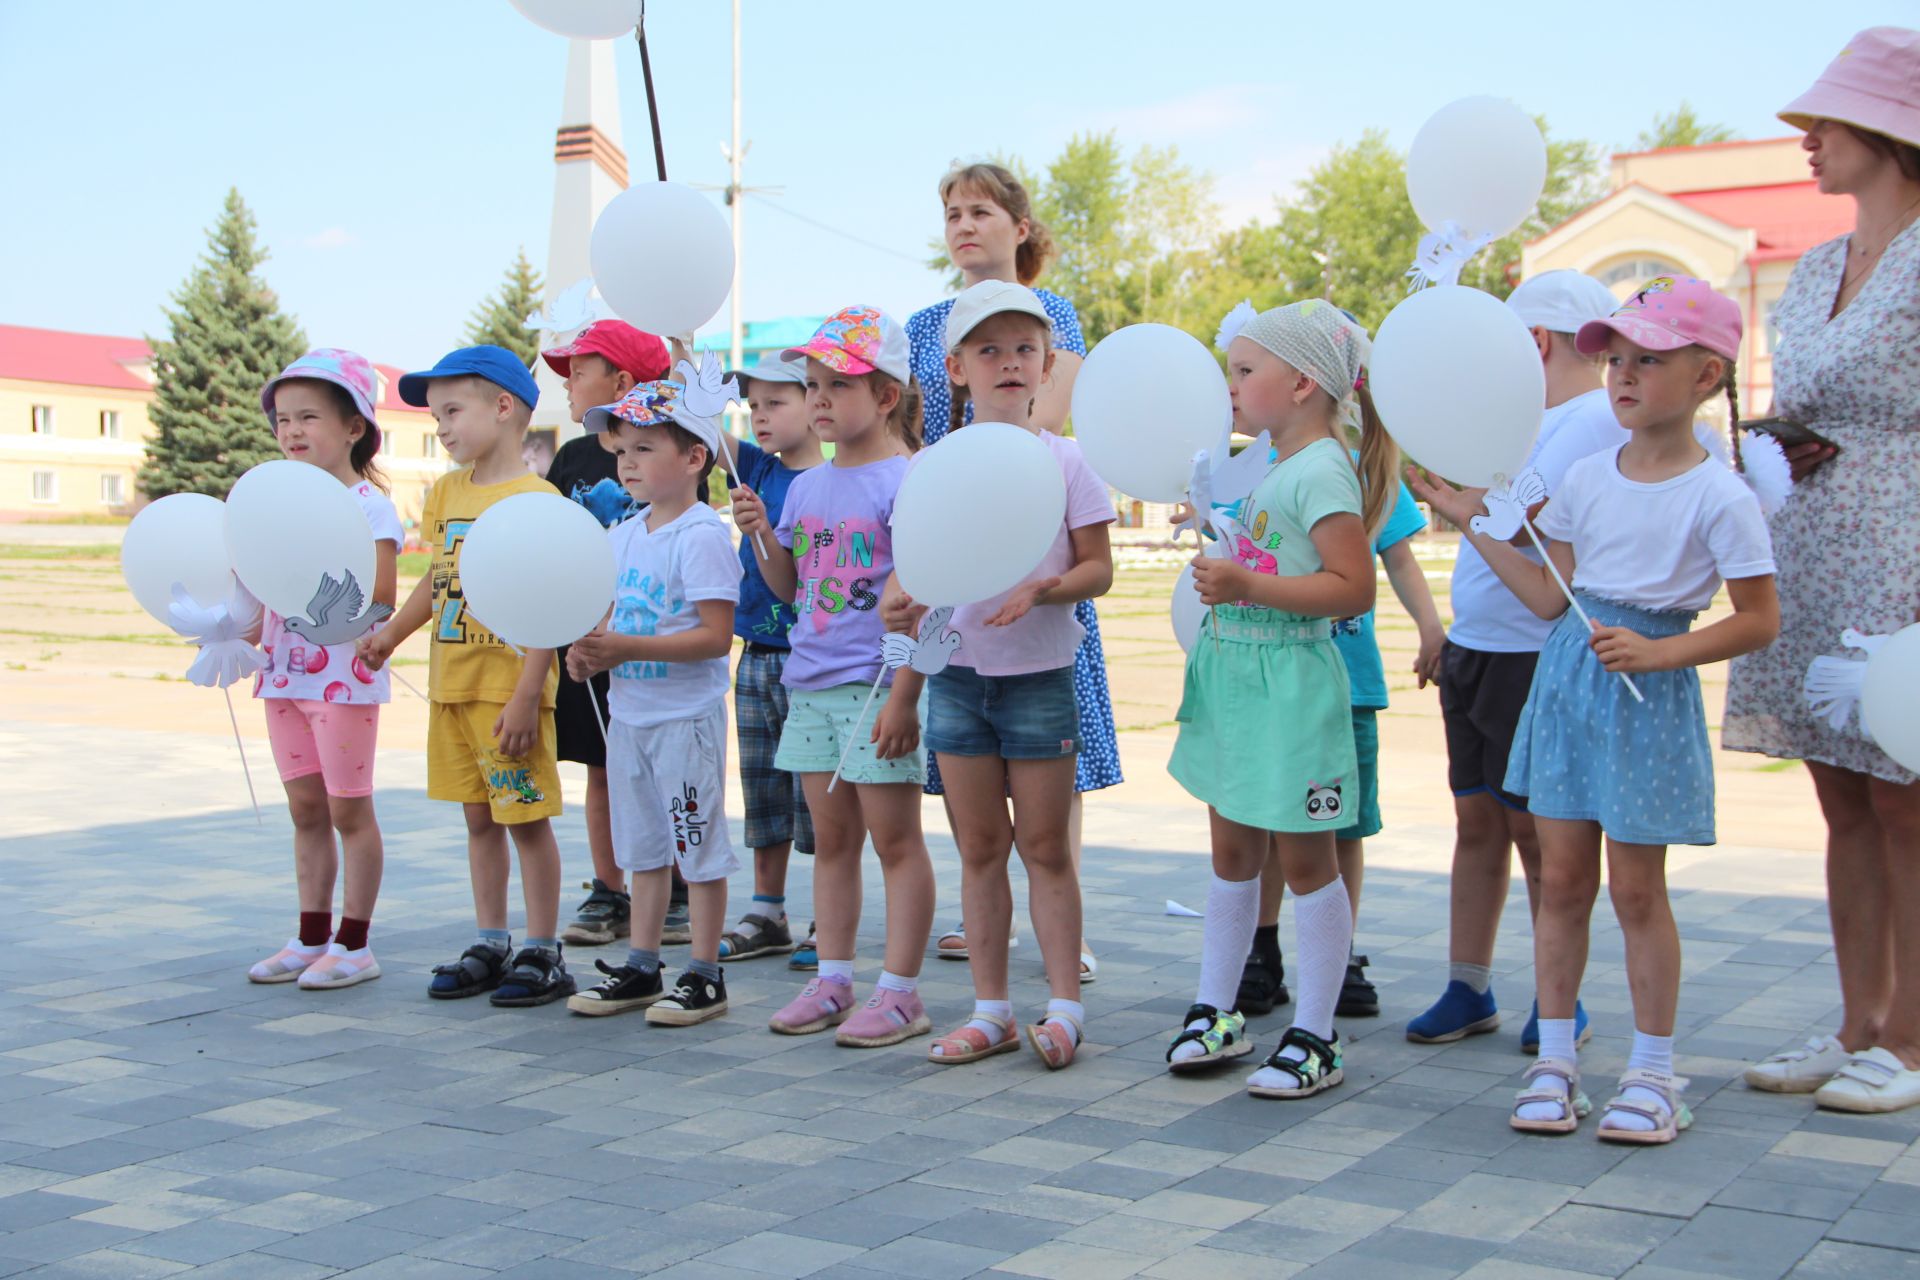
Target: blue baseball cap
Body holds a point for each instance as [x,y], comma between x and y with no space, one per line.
[496,364]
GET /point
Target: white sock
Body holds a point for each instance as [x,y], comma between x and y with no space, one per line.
[1556,1041]
[1323,935]
[1233,909]
[1058,1014]
[837,970]
[1650,1053]
[993,1031]
[1478,977]
[894,982]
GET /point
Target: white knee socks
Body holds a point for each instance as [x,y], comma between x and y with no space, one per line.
[1323,936]
[1233,908]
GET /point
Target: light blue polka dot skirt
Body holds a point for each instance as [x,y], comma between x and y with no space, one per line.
[1586,751]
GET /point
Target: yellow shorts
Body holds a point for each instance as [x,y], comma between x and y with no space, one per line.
[464,764]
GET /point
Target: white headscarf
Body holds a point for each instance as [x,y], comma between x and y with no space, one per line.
[1313,336]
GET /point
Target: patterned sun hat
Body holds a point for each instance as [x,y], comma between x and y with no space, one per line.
[345,369]
[655,404]
[858,340]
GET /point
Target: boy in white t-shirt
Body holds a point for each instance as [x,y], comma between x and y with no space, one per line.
[1487,668]
[666,642]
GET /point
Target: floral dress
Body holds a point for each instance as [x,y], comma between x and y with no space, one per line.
[1848,540]
[1098,765]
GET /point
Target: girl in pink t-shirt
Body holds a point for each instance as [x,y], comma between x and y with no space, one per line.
[1002,717]
[323,703]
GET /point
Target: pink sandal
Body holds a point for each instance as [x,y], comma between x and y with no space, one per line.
[1055,1049]
[970,1044]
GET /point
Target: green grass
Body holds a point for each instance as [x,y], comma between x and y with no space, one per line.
[94,519]
[37,551]
[413,564]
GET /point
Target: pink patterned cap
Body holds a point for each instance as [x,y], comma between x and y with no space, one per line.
[857,340]
[346,369]
[1874,84]
[1667,313]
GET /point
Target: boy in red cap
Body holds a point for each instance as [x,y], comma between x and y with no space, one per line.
[601,363]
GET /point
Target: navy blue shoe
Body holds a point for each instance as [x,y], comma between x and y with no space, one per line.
[1458,1013]
[479,969]
[1530,1034]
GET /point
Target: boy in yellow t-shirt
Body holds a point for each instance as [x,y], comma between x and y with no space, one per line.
[490,739]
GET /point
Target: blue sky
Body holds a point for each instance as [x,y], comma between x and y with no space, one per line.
[396,153]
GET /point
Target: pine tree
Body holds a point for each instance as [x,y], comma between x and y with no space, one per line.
[502,318]
[228,338]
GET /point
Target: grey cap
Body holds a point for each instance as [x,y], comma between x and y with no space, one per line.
[773,368]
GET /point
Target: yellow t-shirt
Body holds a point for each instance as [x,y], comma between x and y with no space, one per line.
[468,662]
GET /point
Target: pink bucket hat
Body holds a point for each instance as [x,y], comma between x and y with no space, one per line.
[1667,313]
[1874,85]
[346,369]
[858,340]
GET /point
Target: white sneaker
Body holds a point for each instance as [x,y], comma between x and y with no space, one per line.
[1799,1070]
[1873,1080]
[340,967]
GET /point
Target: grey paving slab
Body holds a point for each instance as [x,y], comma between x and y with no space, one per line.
[173,1118]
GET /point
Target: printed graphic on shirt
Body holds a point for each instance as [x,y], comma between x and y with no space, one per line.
[454,626]
[607,500]
[779,620]
[639,602]
[835,568]
[1323,803]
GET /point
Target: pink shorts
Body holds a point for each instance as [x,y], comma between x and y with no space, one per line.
[334,740]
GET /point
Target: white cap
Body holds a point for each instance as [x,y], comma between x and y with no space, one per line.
[1561,301]
[990,298]
[773,368]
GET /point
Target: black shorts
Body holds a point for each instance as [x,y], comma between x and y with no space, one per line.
[574,728]
[1481,696]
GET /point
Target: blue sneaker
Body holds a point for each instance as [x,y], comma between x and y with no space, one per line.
[806,956]
[1458,1013]
[1530,1034]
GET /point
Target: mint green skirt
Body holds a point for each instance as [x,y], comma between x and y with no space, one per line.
[1266,733]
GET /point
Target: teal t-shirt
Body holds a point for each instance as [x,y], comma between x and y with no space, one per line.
[1354,636]
[1304,489]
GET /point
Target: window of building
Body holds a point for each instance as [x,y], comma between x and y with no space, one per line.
[109,424]
[386,444]
[1770,331]
[46,486]
[43,419]
[113,489]
[1637,271]
[430,446]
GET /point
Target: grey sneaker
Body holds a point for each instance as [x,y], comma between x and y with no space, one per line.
[601,918]
[678,930]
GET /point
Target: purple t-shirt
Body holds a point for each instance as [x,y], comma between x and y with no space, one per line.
[837,522]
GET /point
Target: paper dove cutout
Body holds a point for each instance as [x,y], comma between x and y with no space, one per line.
[572,310]
[1222,483]
[225,657]
[1763,464]
[930,654]
[333,615]
[708,392]
[1442,254]
[1507,506]
[1833,682]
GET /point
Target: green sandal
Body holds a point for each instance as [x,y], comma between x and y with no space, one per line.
[1224,1037]
[1281,1077]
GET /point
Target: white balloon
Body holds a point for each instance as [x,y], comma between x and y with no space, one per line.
[1189,615]
[951,545]
[1890,697]
[1480,162]
[582,19]
[537,570]
[1458,383]
[662,257]
[288,525]
[179,538]
[1146,399]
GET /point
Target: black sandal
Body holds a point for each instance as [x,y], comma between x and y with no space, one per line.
[1320,1070]
[1224,1036]
[479,969]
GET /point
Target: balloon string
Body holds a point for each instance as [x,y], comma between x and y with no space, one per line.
[653,107]
[408,685]
[1566,591]
[235,721]
[854,735]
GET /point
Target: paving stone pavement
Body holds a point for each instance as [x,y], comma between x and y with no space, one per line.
[159,1115]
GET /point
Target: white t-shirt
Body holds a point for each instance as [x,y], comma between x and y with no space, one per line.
[328,673]
[1657,546]
[663,575]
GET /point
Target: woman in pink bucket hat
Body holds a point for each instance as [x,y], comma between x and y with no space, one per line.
[1848,545]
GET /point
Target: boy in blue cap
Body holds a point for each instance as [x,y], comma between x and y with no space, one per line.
[490,738]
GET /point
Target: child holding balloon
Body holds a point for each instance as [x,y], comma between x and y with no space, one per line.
[1266,734]
[836,525]
[323,706]
[1645,532]
[490,741]
[1003,719]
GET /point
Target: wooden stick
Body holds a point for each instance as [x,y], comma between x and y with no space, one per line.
[235,720]
[1567,591]
[733,473]
[857,722]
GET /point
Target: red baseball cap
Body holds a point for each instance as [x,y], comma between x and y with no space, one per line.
[639,353]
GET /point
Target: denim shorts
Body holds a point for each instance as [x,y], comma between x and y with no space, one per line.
[1026,717]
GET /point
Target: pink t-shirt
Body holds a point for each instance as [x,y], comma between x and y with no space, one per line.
[297,668]
[1047,638]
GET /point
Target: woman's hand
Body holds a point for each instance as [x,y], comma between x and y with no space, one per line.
[1220,581]
[1807,458]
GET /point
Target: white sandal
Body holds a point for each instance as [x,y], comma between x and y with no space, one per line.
[1574,1105]
[1668,1122]
[1089,968]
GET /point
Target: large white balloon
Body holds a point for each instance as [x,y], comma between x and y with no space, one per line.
[1458,383]
[662,257]
[1146,399]
[976,514]
[1890,697]
[1480,162]
[582,19]
[1189,615]
[537,570]
[179,538]
[289,524]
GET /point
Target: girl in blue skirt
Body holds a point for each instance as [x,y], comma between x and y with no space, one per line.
[1645,532]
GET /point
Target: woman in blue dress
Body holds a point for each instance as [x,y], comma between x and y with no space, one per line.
[991,234]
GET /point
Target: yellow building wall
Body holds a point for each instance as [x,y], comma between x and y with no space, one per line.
[1756,164]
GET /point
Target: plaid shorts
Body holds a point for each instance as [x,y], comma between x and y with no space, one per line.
[776,807]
